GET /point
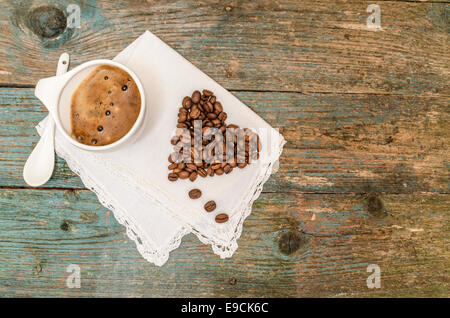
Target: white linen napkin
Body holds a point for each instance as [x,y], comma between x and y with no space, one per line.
[132,180]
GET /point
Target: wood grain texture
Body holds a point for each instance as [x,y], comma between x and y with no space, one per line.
[364,177]
[44,231]
[307,46]
[335,142]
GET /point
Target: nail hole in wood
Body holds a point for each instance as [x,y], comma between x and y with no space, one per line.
[232,281]
[65,226]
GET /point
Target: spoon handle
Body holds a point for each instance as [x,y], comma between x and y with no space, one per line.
[40,164]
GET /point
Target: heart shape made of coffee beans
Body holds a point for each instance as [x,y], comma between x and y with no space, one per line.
[201,130]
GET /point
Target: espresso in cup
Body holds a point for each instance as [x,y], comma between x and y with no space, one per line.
[104,107]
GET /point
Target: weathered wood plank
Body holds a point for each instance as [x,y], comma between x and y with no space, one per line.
[308,46]
[336,142]
[336,236]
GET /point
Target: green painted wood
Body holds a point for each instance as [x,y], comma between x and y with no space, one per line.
[308,46]
[335,142]
[44,231]
[364,178]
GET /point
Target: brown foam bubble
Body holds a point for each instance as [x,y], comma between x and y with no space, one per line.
[105,106]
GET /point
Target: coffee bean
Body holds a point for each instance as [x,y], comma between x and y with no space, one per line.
[193,176]
[219,171]
[227,169]
[208,107]
[210,206]
[222,116]
[221,218]
[174,140]
[207,92]
[196,97]
[183,174]
[201,172]
[218,107]
[172,166]
[195,194]
[191,166]
[195,112]
[187,102]
[173,177]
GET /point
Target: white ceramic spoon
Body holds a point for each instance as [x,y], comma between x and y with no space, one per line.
[40,164]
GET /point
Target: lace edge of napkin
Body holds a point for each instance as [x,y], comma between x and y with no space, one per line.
[145,247]
[224,249]
[227,250]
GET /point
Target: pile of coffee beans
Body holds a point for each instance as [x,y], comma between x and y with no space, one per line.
[199,115]
[209,206]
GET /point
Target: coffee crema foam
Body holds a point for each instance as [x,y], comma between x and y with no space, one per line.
[104,107]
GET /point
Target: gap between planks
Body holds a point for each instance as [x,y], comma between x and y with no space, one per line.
[287,191]
[433,95]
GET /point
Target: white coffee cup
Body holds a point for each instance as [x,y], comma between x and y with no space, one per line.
[56,94]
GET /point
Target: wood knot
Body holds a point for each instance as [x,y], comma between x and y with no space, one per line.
[46,21]
[291,241]
[71,195]
[38,269]
[389,140]
[375,206]
[65,226]
[232,281]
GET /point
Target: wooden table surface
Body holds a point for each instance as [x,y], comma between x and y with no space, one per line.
[364,177]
